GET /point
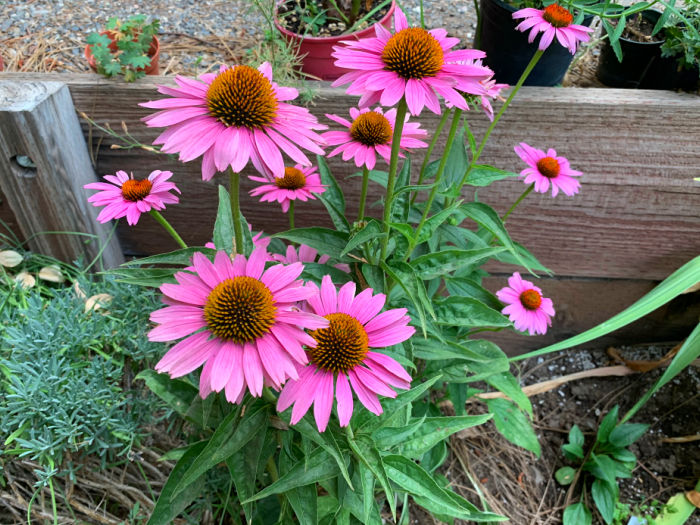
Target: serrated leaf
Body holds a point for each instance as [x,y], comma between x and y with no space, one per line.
[317,467]
[577,514]
[565,475]
[441,263]
[513,424]
[508,384]
[605,496]
[484,175]
[323,240]
[371,231]
[469,313]
[415,480]
[231,435]
[436,429]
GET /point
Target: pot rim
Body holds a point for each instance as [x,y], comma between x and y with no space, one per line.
[327,39]
[636,42]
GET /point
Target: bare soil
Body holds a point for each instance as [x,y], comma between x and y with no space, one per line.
[333,24]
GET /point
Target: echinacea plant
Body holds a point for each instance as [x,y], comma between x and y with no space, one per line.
[373,323]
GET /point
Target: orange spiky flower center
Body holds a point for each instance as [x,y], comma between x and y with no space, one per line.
[413,53]
[557,16]
[293,179]
[241,310]
[135,190]
[549,167]
[340,347]
[371,129]
[242,96]
[531,299]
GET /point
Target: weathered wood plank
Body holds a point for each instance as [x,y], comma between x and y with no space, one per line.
[43,165]
[636,216]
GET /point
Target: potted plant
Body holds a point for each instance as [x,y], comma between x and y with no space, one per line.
[128,48]
[654,51]
[315,26]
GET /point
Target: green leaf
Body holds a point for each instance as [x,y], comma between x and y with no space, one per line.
[328,443]
[401,203]
[230,437]
[602,467]
[315,272]
[487,218]
[317,467]
[182,257]
[178,394]
[508,384]
[605,497]
[367,481]
[577,514]
[689,351]
[338,217]
[436,429]
[333,193]
[223,227]
[387,437]
[607,425]
[565,475]
[168,507]
[576,436]
[468,312]
[624,456]
[470,288]
[151,277]
[372,230]
[626,434]
[441,263]
[323,240]
[304,500]
[406,278]
[415,480]
[243,466]
[513,424]
[366,451]
[483,175]
[679,281]
[434,222]
[572,451]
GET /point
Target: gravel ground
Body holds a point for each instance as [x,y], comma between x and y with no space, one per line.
[196,35]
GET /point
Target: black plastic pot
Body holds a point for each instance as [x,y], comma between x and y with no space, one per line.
[641,65]
[508,51]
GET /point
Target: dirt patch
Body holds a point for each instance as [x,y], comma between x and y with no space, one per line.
[519,485]
[314,18]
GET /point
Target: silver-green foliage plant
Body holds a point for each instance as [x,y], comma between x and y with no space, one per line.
[62,369]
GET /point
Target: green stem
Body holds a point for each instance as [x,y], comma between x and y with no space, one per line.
[291,215]
[393,165]
[268,396]
[168,228]
[363,195]
[456,118]
[528,69]
[515,204]
[430,149]
[234,190]
[272,470]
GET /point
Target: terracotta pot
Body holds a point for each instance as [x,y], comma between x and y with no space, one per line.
[153,53]
[316,51]
[2,64]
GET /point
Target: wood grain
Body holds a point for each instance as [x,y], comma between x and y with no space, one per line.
[38,122]
[634,222]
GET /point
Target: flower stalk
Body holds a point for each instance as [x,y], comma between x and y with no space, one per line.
[234,196]
[168,227]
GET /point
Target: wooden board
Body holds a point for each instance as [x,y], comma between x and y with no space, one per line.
[634,222]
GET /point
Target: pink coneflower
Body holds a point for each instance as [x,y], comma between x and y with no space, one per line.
[298,183]
[127,197]
[553,20]
[546,168]
[528,310]
[305,254]
[239,320]
[343,352]
[369,133]
[232,117]
[411,62]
